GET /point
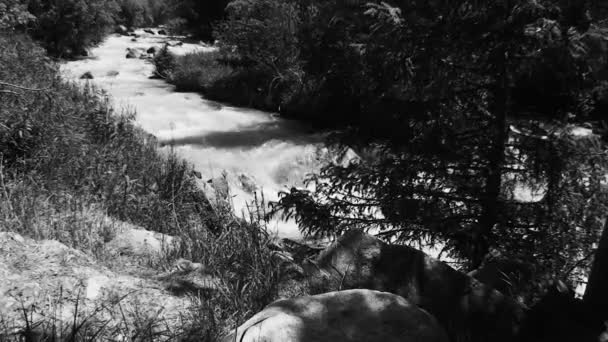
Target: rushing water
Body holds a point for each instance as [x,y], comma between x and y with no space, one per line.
[256,151]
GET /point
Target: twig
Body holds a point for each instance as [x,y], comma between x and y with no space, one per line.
[2,91]
[22,87]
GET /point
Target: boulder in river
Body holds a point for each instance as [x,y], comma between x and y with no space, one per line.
[121,29]
[152,50]
[162,32]
[86,76]
[149,31]
[174,43]
[248,184]
[133,53]
[83,53]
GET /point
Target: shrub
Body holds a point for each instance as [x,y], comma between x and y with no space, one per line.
[14,13]
[198,71]
[164,62]
[139,13]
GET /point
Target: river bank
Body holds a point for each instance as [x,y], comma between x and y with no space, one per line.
[254,153]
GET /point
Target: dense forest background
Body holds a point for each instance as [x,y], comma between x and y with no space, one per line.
[481,126]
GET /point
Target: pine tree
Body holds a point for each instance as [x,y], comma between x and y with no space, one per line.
[466,107]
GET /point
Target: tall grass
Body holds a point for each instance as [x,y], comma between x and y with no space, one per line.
[66,155]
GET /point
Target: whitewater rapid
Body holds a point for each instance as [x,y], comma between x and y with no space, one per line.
[256,151]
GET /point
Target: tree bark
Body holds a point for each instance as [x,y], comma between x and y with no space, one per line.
[496,158]
[596,294]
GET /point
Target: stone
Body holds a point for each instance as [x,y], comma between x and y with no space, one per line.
[196,174]
[134,241]
[463,305]
[86,76]
[149,31]
[133,53]
[341,316]
[162,32]
[247,183]
[187,277]
[121,29]
[152,50]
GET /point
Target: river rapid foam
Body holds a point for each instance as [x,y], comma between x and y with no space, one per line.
[255,152]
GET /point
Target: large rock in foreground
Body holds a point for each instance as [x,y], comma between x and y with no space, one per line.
[54,286]
[466,308]
[353,315]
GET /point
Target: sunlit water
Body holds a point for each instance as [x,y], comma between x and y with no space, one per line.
[255,150]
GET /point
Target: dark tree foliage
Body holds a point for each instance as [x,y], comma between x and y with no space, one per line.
[200,15]
[66,27]
[14,15]
[463,111]
[596,296]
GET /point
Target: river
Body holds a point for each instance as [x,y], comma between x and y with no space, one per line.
[256,151]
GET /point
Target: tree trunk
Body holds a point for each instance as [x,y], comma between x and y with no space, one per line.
[493,173]
[596,294]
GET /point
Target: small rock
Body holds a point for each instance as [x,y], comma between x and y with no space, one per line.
[197,174]
[134,40]
[86,76]
[121,29]
[247,183]
[152,50]
[133,53]
[185,265]
[163,32]
[140,242]
[149,31]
